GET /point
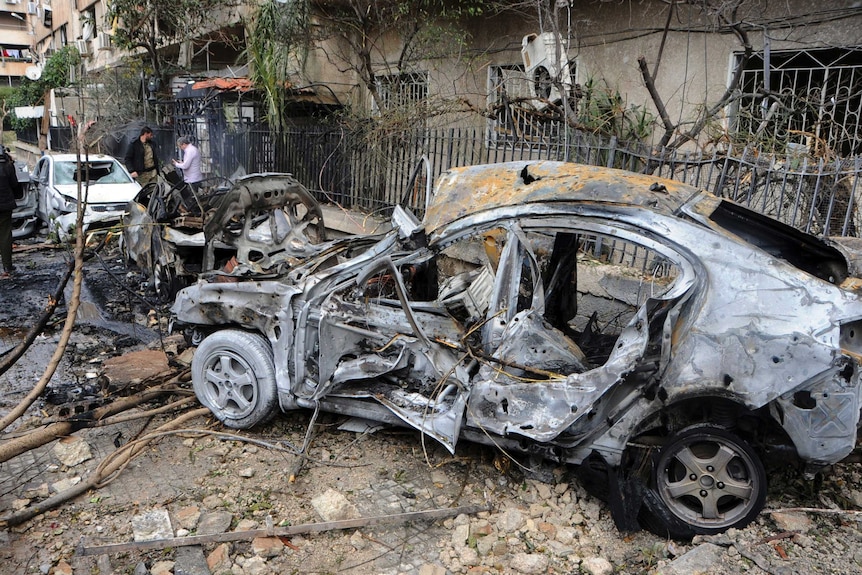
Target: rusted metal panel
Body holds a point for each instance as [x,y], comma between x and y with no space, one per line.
[463,191]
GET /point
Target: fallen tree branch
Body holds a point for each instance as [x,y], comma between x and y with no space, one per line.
[44,435]
[102,475]
[288,531]
[149,413]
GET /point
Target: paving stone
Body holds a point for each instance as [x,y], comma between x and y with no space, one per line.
[190,561]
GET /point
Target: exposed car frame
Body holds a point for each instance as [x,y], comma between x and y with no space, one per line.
[24,220]
[166,226]
[739,337]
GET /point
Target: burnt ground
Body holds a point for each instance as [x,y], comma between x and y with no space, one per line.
[541,521]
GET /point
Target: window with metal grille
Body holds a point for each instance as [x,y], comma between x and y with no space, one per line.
[401,90]
[804,98]
[519,117]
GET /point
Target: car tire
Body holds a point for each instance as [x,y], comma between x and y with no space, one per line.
[233,374]
[705,480]
[166,283]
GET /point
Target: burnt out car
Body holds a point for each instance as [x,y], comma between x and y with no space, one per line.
[24,220]
[659,337]
[165,226]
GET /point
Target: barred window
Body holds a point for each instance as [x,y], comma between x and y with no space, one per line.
[401,90]
[810,99]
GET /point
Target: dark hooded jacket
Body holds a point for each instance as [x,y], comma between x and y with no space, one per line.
[9,185]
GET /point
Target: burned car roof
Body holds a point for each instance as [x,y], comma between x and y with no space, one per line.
[465,191]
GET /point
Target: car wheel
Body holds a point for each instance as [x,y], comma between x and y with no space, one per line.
[166,282]
[706,480]
[233,375]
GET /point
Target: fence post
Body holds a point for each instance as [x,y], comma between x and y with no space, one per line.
[612,148]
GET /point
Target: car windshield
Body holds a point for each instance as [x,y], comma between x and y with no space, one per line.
[103,172]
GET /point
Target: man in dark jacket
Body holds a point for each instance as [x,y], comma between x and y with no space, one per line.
[9,187]
[141,159]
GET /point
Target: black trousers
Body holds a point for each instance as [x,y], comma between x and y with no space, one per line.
[6,239]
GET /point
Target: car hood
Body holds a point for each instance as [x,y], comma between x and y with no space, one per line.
[102,193]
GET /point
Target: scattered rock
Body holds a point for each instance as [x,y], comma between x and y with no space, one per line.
[358,540]
[188,517]
[597,566]
[792,521]
[64,484]
[267,546]
[162,568]
[214,522]
[219,559]
[529,563]
[700,560]
[190,561]
[510,521]
[334,506]
[256,566]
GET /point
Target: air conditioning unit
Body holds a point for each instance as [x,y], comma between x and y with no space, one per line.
[544,68]
[83,47]
[31,8]
[104,41]
[12,1]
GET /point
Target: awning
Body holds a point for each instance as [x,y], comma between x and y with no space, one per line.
[30,111]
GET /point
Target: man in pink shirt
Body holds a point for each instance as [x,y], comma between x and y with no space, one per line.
[190,164]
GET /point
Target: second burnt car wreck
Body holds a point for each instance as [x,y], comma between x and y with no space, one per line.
[633,326]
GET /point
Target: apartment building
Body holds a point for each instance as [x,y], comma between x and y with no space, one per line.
[17,40]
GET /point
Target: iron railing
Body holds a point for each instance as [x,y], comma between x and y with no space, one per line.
[372,169]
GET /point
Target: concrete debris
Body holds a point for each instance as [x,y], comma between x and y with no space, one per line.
[152,525]
[71,451]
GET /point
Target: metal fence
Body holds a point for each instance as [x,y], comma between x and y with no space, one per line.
[372,169]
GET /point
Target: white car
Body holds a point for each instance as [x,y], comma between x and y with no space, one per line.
[106,189]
